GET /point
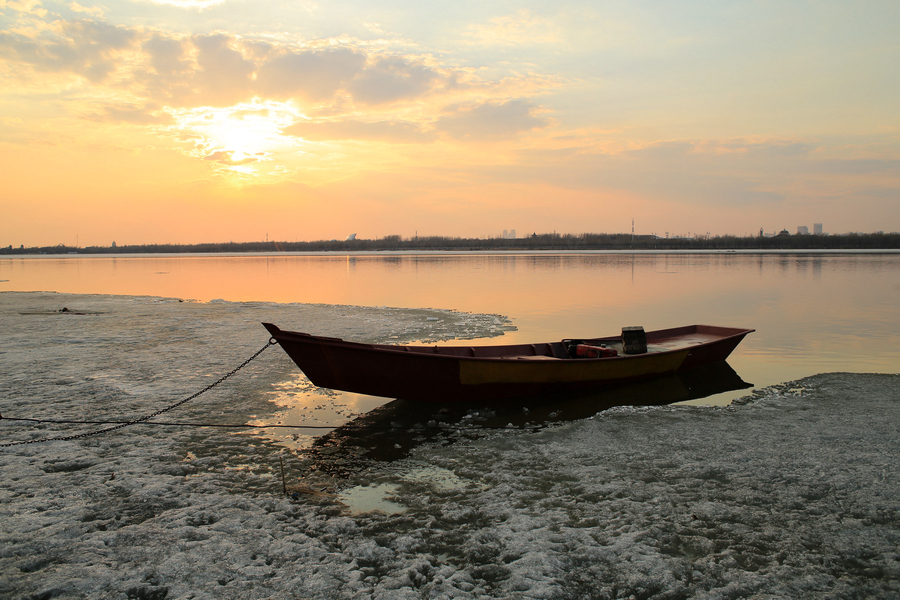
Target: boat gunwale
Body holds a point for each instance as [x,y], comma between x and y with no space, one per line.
[433,351]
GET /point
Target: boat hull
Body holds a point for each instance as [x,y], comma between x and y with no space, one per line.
[461,374]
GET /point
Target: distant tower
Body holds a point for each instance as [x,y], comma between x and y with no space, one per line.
[512,234]
[817,228]
[505,235]
[802,230]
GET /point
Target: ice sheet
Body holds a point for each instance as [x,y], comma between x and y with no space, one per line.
[793,492]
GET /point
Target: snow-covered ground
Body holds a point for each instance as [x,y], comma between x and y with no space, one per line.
[793,492]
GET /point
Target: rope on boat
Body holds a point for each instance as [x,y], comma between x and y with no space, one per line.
[146,418]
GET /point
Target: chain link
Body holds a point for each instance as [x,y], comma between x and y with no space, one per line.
[271,342]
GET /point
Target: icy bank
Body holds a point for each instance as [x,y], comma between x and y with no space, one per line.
[792,493]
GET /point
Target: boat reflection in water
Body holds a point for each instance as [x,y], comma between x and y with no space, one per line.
[392,430]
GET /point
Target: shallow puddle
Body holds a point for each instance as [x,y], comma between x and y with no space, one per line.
[371,498]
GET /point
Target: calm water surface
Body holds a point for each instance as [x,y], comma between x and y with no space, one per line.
[813,312]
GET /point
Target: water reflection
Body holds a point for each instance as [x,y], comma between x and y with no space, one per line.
[392,430]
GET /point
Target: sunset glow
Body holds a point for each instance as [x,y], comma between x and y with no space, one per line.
[183,121]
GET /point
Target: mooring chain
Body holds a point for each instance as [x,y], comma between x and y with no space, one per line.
[150,416]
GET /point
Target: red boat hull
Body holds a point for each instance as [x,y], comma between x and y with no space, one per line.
[463,374]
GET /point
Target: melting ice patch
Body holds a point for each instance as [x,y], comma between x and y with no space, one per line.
[792,492]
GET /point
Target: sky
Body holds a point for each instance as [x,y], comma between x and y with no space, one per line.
[190,121]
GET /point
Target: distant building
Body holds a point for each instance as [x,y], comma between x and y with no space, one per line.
[817,228]
[509,235]
[802,230]
[784,233]
[350,237]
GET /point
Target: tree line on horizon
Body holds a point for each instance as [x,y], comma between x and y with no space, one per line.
[546,241]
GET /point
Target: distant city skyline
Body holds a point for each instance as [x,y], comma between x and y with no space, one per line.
[184,121]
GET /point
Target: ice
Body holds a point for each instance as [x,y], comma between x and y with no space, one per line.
[791,492]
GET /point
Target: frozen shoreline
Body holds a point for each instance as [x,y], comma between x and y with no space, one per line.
[793,493]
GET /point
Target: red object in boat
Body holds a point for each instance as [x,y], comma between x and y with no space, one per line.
[462,374]
[586,351]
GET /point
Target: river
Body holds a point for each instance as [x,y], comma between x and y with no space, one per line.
[813,312]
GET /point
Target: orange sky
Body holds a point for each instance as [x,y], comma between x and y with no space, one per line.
[207,121]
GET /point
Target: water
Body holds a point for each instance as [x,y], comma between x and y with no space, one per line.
[813,312]
[792,491]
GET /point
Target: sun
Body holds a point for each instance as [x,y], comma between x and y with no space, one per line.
[239,138]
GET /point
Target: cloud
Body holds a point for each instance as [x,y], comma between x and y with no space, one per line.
[168,56]
[892,193]
[490,120]
[692,174]
[755,148]
[204,90]
[31,7]
[388,79]
[224,75]
[203,70]
[201,4]
[858,166]
[168,75]
[224,157]
[775,148]
[386,131]
[222,70]
[136,115]
[713,172]
[520,29]
[94,11]
[314,75]
[85,47]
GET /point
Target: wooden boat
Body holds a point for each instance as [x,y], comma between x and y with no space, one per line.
[467,373]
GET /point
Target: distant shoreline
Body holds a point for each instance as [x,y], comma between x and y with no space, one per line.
[543,242]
